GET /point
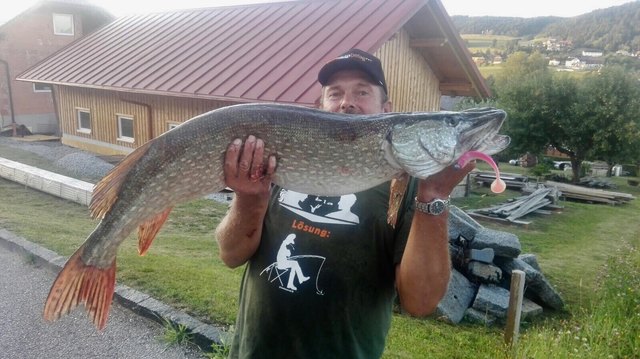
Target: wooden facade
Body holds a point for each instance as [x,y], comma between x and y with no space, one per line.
[152,115]
[411,83]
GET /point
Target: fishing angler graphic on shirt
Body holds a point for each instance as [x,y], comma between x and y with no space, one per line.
[286,270]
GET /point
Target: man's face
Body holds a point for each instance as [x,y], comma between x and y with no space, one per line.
[351,91]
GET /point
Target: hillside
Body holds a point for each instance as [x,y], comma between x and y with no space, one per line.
[507,26]
[611,29]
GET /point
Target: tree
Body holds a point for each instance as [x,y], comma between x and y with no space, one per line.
[594,118]
[611,101]
[520,90]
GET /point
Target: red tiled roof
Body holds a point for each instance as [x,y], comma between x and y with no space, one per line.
[263,52]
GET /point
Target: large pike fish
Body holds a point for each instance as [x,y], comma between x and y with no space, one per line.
[317,152]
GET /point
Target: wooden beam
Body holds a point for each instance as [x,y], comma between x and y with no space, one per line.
[455,87]
[515,307]
[428,43]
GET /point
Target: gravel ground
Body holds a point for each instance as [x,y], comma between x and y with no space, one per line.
[81,164]
[23,288]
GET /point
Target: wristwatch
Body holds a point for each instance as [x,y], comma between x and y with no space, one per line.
[435,208]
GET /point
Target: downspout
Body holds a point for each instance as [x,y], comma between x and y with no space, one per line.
[54,92]
[13,116]
[149,114]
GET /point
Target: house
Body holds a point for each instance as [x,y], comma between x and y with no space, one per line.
[28,38]
[573,63]
[479,60]
[591,53]
[554,62]
[141,75]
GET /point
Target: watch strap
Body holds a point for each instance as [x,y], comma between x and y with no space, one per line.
[436,207]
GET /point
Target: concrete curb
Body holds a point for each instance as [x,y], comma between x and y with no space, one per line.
[204,335]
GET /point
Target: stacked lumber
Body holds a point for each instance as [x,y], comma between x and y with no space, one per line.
[540,201]
[513,180]
[590,194]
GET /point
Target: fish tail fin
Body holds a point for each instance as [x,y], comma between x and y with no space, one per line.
[79,283]
[106,192]
[148,230]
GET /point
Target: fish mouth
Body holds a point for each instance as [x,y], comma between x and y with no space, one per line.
[480,131]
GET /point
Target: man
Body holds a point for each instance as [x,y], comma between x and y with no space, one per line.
[355,260]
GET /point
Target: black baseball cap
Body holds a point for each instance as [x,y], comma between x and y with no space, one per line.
[354,59]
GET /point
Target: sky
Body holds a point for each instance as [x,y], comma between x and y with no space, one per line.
[516,8]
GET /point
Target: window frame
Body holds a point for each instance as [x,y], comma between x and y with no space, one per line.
[121,136]
[79,111]
[56,31]
[41,90]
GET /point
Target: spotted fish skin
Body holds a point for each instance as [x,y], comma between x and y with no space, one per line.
[317,152]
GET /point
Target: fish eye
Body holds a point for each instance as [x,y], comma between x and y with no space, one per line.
[452,121]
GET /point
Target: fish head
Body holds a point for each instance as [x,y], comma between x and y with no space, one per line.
[425,143]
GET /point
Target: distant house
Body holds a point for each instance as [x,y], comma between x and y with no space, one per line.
[554,62]
[497,60]
[591,53]
[557,45]
[142,75]
[573,63]
[27,39]
[585,63]
[479,60]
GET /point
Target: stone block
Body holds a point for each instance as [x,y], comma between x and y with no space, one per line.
[530,309]
[477,317]
[531,260]
[485,255]
[538,287]
[487,273]
[492,300]
[457,299]
[461,224]
[503,243]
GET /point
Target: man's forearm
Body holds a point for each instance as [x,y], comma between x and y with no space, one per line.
[423,273]
[239,232]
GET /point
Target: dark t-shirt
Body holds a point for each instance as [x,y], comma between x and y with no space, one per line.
[321,284]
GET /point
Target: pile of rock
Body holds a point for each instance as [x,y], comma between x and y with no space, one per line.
[483,260]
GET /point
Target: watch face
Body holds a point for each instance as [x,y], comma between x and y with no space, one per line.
[437,207]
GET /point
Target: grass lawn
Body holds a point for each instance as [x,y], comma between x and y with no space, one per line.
[588,251]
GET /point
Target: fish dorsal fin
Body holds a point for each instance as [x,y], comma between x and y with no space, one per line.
[148,230]
[106,192]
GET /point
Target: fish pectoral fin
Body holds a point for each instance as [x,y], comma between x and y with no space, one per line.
[396,194]
[148,230]
[80,283]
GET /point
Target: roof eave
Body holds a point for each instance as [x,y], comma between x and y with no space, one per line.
[477,86]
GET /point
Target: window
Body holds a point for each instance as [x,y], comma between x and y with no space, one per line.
[63,24]
[125,128]
[84,120]
[37,87]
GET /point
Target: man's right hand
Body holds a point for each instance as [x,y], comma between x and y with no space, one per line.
[245,170]
[249,175]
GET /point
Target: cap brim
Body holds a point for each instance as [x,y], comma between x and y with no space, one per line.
[334,66]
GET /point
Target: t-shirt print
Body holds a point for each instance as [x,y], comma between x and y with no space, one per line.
[320,209]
